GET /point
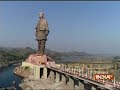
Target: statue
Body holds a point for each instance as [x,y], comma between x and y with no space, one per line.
[42,32]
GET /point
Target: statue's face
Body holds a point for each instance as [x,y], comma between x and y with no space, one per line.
[41,15]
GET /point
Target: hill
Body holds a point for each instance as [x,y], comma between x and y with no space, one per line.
[20,54]
[9,55]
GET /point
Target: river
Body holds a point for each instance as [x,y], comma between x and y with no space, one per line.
[7,77]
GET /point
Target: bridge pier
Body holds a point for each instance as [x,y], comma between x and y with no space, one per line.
[57,77]
[45,72]
[51,75]
[94,88]
[87,86]
[81,85]
[63,79]
[71,83]
[37,73]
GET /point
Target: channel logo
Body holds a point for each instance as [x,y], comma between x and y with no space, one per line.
[103,76]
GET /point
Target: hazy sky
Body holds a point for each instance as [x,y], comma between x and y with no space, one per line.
[93,27]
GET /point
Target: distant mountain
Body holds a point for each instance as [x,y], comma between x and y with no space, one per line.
[23,53]
[9,55]
[5,48]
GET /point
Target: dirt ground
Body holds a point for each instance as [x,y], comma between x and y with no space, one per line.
[49,84]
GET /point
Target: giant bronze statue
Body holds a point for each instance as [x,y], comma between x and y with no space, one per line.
[42,32]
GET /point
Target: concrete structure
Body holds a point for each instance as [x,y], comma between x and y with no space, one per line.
[71,82]
[68,76]
[39,71]
[81,82]
[57,77]
[38,64]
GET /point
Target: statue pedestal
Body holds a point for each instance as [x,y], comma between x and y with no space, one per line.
[37,63]
[36,59]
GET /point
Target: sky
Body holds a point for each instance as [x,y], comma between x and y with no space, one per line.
[89,26]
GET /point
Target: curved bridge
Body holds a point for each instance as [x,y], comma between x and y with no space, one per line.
[75,77]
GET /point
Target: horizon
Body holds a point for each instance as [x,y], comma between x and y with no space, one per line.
[60,51]
[91,27]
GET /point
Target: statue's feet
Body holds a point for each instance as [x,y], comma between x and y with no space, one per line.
[40,54]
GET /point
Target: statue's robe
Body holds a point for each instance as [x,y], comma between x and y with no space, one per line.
[42,30]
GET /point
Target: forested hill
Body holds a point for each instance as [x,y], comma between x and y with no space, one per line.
[8,55]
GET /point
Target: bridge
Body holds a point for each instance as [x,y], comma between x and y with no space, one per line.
[76,76]
[84,81]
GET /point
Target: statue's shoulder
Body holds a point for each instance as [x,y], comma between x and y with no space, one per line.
[44,20]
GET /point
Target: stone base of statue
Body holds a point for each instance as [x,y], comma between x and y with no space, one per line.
[38,64]
[37,59]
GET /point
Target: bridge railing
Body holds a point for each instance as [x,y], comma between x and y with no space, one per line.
[83,72]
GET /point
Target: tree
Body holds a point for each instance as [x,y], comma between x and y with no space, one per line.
[116,62]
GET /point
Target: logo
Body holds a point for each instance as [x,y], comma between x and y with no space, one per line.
[103,76]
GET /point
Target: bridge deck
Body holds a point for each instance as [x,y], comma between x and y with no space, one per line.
[77,76]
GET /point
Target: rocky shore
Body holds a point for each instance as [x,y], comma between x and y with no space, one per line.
[8,88]
[30,83]
[23,71]
[46,84]
[11,63]
[3,66]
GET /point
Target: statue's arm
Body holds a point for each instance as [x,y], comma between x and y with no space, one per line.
[36,29]
[37,25]
[47,29]
[47,32]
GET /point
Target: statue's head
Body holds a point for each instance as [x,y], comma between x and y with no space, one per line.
[41,15]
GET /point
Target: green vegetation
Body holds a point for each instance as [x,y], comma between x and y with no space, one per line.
[10,55]
[14,55]
[25,67]
[116,62]
[115,70]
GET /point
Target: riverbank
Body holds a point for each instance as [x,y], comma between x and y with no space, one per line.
[8,88]
[10,63]
[23,71]
[7,77]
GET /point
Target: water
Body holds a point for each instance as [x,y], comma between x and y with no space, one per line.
[7,77]
[70,58]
